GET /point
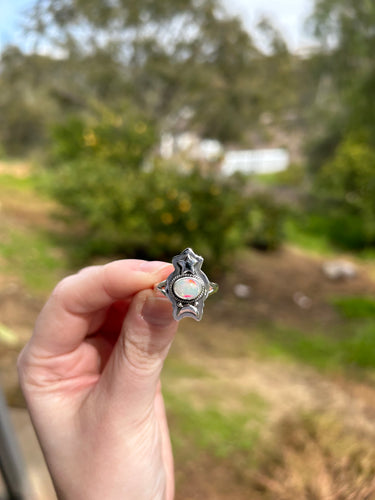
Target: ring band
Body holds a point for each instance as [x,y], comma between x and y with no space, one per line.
[187,287]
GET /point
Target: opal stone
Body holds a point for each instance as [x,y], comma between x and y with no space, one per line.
[187,288]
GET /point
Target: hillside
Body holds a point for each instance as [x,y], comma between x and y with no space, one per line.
[260,392]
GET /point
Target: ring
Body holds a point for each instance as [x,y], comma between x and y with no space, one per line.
[187,287]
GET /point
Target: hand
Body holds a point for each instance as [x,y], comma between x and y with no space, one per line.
[90,376]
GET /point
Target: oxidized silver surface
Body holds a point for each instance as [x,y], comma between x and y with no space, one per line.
[187,287]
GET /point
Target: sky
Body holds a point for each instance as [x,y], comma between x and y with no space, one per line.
[287,15]
[10,18]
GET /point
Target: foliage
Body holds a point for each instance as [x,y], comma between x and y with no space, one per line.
[343,104]
[265,222]
[341,229]
[157,212]
[347,184]
[26,108]
[339,212]
[122,139]
[187,65]
[131,203]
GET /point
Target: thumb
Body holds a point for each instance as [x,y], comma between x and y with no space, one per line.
[129,381]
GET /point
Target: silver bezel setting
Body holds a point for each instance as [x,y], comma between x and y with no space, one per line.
[187,264]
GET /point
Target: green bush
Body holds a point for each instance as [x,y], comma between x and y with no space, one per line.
[157,213]
[346,188]
[327,226]
[127,202]
[265,223]
[118,139]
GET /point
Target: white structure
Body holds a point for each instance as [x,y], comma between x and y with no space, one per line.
[256,161]
[190,145]
[210,149]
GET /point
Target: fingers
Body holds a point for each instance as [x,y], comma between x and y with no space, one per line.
[68,314]
[131,376]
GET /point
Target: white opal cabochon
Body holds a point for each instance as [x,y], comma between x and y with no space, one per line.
[187,288]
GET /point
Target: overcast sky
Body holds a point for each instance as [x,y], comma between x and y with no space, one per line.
[287,15]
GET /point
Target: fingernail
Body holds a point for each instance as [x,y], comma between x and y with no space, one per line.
[157,311]
[153,266]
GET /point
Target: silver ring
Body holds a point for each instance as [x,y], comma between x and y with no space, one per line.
[187,287]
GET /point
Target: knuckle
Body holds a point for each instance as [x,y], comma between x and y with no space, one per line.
[61,288]
[88,269]
[63,292]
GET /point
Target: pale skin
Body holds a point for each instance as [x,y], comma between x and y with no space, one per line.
[91,378]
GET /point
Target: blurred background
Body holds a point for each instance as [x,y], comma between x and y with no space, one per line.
[247,132]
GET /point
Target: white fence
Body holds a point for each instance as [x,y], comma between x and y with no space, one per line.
[257,161]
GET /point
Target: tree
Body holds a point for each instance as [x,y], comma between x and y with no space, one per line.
[345,103]
[22,117]
[187,63]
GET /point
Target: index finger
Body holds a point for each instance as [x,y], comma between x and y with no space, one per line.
[65,319]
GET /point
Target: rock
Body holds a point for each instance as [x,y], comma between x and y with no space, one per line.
[339,269]
[302,300]
[242,291]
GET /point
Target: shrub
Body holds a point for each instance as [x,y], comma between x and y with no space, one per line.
[132,204]
[265,222]
[159,212]
[117,139]
[346,186]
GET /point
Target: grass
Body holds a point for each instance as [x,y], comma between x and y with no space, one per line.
[351,354]
[9,182]
[199,419]
[210,429]
[288,345]
[293,176]
[315,232]
[317,242]
[355,307]
[32,256]
[176,368]
[28,251]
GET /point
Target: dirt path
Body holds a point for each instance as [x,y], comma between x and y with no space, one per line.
[276,281]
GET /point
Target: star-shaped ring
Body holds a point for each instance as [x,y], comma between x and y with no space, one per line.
[187,287]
